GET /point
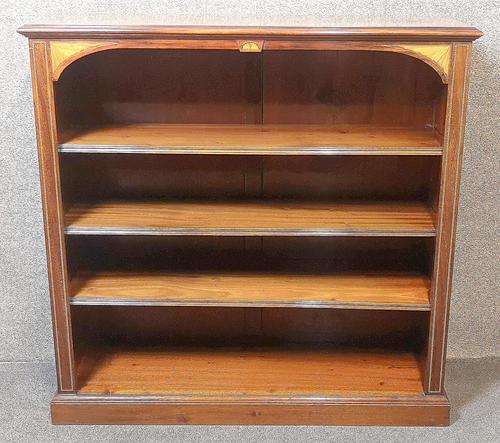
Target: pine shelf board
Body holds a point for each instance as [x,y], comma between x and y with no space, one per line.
[253,139]
[245,373]
[250,218]
[397,291]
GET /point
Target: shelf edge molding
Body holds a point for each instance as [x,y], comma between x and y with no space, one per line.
[240,232]
[96,301]
[282,150]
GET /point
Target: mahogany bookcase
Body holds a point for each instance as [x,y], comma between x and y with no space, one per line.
[250,225]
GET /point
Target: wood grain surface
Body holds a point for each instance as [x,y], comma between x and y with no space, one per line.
[253,139]
[358,291]
[250,218]
[53,213]
[241,372]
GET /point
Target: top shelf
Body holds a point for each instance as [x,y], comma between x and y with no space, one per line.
[253,140]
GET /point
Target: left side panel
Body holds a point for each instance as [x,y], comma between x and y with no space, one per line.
[43,95]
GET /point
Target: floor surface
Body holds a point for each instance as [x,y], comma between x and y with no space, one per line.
[472,385]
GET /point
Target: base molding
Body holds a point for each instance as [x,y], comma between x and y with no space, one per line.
[424,410]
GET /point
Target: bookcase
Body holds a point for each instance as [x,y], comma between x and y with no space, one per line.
[250,225]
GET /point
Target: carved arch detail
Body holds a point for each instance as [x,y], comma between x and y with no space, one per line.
[65,52]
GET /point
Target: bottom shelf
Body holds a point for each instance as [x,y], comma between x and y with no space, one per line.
[248,372]
[289,385]
[234,365]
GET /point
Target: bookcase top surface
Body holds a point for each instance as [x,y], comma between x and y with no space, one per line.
[306,28]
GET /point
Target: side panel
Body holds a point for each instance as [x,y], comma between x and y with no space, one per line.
[447,214]
[52,211]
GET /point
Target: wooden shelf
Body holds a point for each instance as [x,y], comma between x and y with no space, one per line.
[253,139]
[245,373]
[248,218]
[352,291]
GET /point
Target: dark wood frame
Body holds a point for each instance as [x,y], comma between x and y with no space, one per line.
[432,408]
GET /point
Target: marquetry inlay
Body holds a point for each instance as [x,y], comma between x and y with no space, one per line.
[63,53]
[437,56]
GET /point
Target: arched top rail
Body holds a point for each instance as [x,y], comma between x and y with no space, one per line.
[65,52]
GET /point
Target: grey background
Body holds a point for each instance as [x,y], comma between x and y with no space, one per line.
[25,327]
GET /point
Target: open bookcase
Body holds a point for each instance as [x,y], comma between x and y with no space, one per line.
[250,225]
